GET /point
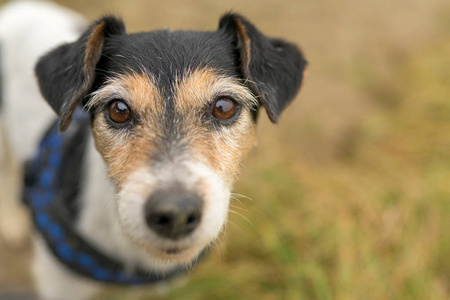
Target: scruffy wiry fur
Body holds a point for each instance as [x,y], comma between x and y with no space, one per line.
[171,145]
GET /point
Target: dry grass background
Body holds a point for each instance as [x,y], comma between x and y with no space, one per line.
[351,191]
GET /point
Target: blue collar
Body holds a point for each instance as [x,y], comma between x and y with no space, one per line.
[54,216]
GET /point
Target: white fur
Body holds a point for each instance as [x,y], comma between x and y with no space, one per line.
[99,221]
[115,224]
[112,222]
[53,281]
[28,29]
[139,186]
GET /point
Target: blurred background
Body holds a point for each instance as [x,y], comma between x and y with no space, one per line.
[350,193]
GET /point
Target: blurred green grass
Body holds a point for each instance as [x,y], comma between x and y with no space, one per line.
[351,192]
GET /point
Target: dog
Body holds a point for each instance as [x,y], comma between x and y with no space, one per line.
[131,183]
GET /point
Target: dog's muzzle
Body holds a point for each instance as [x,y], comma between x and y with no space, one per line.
[173,213]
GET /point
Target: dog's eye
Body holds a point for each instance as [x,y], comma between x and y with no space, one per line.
[224,108]
[119,112]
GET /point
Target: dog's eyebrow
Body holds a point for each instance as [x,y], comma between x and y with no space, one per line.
[130,86]
[202,86]
[242,95]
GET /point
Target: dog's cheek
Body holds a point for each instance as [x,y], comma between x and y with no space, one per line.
[107,142]
[131,201]
[101,141]
[216,209]
[216,195]
[230,146]
[130,211]
[122,153]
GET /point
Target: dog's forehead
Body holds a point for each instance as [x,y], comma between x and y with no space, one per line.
[167,55]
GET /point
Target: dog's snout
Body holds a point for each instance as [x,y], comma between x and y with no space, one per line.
[173,214]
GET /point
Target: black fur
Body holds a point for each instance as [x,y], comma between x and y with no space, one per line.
[275,69]
[70,175]
[62,75]
[168,54]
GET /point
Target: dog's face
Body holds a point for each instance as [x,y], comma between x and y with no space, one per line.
[173,115]
[167,151]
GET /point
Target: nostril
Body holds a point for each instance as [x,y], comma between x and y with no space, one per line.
[161,221]
[191,220]
[164,220]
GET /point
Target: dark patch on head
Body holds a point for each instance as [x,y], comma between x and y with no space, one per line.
[167,55]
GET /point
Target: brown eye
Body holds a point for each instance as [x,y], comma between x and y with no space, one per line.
[119,112]
[224,108]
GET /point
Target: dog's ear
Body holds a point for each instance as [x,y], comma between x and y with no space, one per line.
[67,73]
[273,68]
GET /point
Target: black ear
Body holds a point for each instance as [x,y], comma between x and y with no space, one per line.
[67,73]
[273,68]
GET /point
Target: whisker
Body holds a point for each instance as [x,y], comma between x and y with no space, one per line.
[241,196]
[238,207]
[234,198]
[236,226]
[192,266]
[242,216]
[216,245]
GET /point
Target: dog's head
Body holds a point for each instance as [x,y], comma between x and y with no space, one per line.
[173,115]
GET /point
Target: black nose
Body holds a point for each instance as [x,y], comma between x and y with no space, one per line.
[173,214]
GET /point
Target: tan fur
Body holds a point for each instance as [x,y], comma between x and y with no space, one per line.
[244,45]
[222,148]
[94,47]
[124,153]
[138,90]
